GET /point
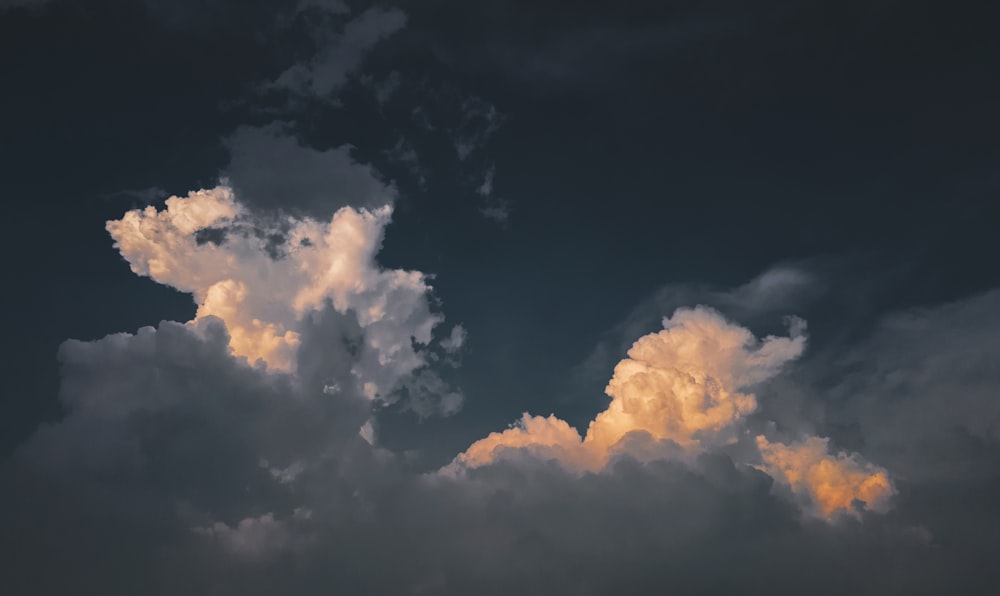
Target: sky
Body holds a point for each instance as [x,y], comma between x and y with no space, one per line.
[428,297]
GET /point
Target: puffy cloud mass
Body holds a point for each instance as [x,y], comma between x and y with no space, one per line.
[685,388]
[238,453]
[264,277]
[833,483]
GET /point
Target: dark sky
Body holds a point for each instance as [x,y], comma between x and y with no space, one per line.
[564,180]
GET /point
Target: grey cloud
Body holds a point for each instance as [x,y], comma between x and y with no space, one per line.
[269,167]
[498,210]
[340,54]
[455,340]
[180,470]
[164,432]
[924,390]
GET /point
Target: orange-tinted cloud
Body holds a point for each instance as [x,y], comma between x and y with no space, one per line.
[687,385]
[831,482]
[684,384]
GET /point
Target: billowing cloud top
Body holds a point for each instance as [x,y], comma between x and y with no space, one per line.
[684,388]
[264,277]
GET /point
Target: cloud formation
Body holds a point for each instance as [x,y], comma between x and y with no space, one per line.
[832,483]
[266,277]
[270,168]
[203,474]
[683,388]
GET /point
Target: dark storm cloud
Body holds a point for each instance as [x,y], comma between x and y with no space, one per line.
[211,477]
[179,469]
[164,432]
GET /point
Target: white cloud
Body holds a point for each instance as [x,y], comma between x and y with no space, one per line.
[265,277]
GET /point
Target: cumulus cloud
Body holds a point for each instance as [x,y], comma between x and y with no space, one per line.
[265,277]
[779,289]
[239,452]
[685,388]
[832,484]
[683,384]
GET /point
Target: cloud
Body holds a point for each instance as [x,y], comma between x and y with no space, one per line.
[455,340]
[681,392]
[339,54]
[920,390]
[779,289]
[182,469]
[832,483]
[270,168]
[265,278]
[161,445]
[682,384]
